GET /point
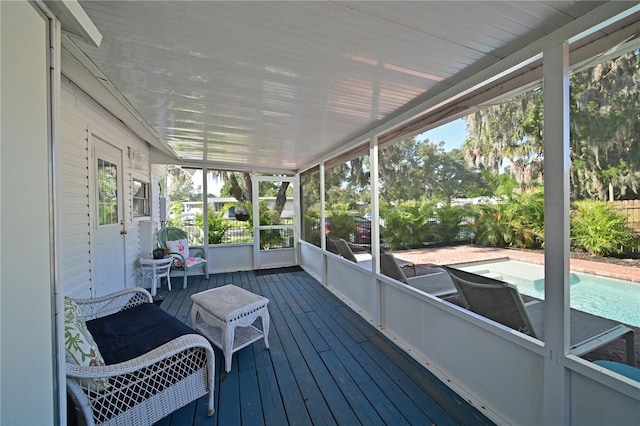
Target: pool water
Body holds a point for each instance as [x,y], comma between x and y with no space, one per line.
[607,297]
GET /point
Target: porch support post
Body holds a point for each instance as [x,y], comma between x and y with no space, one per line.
[556,225]
[375,228]
[205,213]
[323,234]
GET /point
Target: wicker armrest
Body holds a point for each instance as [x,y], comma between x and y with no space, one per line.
[112,303]
[148,387]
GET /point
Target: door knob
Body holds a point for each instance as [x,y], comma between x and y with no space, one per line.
[123,232]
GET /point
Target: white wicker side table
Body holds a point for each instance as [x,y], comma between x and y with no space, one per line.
[225,315]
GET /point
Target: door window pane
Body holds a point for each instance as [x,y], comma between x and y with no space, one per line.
[276,210]
[107,193]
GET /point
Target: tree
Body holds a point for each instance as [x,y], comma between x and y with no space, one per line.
[605,130]
[340,191]
[243,192]
[448,176]
[401,170]
[419,169]
[510,131]
[180,184]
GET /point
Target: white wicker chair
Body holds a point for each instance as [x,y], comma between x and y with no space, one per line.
[145,389]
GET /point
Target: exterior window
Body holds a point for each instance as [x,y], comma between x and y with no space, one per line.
[140,202]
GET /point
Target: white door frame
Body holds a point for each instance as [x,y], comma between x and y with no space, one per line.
[258,254]
[99,141]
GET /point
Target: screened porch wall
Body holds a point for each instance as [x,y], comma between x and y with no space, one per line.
[501,373]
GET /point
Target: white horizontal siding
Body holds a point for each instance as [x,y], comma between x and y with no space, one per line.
[76,265]
[80,113]
[156,174]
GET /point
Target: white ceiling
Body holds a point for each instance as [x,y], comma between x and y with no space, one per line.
[277,85]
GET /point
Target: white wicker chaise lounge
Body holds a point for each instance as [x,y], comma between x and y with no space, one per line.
[147,387]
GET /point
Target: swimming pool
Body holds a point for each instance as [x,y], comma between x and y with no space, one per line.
[606,297]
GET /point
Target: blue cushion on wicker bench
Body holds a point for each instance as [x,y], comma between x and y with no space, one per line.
[133,332]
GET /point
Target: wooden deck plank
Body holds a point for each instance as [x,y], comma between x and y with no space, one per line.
[360,404]
[250,407]
[338,403]
[317,407]
[228,396]
[184,415]
[432,406]
[336,330]
[343,366]
[413,377]
[270,394]
[349,364]
[293,400]
[411,410]
[321,296]
[200,417]
[313,334]
[326,365]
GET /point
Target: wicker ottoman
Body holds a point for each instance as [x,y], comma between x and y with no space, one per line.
[225,315]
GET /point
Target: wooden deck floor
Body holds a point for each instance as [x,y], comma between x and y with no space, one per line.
[325,365]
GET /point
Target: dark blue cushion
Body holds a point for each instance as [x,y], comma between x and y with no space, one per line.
[133,332]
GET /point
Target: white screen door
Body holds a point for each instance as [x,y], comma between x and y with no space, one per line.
[274,234]
[108,219]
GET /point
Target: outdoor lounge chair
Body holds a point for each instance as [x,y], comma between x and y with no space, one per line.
[502,303]
[343,249]
[437,283]
[176,242]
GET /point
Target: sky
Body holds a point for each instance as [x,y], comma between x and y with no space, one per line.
[453,134]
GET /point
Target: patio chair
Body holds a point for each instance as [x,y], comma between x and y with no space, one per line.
[176,242]
[502,303]
[437,283]
[343,249]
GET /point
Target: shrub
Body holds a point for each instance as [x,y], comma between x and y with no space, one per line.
[341,225]
[524,215]
[517,221]
[269,238]
[599,229]
[406,226]
[488,226]
[311,228]
[449,225]
[217,223]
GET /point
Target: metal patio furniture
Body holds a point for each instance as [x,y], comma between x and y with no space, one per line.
[502,303]
[436,283]
[192,258]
